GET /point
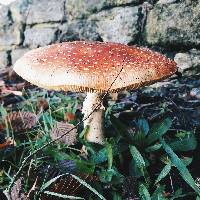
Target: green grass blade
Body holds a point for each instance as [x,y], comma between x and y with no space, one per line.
[187,143]
[137,157]
[144,193]
[165,171]
[180,166]
[153,148]
[61,195]
[140,163]
[158,130]
[158,193]
[48,183]
[110,155]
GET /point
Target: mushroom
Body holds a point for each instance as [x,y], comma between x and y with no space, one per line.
[95,68]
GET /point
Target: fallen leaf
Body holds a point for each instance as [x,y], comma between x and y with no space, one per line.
[68,185]
[21,121]
[62,128]
[68,117]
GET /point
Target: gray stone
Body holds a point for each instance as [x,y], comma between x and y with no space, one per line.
[10,35]
[183,61]
[3,59]
[189,62]
[39,36]
[175,24]
[195,93]
[19,10]
[79,30]
[195,56]
[4,17]
[10,32]
[17,53]
[45,11]
[166,1]
[118,24]
[79,9]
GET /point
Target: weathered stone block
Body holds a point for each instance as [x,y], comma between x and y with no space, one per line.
[79,9]
[3,59]
[183,61]
[17,53]
[45,11]
[118,24]
[174,24]
[10,32]
[39,36]
[20,10]
[79,30]
[189,62]
[10,35]
[5,20]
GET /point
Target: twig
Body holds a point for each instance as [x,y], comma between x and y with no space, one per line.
[171,183]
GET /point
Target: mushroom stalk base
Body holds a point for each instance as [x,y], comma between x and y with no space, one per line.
[95,121]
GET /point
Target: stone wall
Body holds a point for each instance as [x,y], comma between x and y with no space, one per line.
[169,26]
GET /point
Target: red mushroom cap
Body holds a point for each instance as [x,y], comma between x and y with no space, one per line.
[93,66]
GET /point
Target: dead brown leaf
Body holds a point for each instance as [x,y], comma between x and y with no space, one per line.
[68,117]
[60,129]
[21,121]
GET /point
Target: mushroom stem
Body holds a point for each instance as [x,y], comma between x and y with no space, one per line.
[95,121]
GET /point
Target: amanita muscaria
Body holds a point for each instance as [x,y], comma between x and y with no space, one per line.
[92,67]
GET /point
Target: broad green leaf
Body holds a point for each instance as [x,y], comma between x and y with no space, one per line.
[180,166]
[165,171]
[158,193]
[134,170]
[106,176]
[144,193]
[102,155]
[137,157]
[140,163]
[154,147]
[84,132]
[121,128]
[56,154]
[187,160]
[187,143]
[110,155]
[116,196]
[85,166]
[158,130]
[139,139]
[143,126]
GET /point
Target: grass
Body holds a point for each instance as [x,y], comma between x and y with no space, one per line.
[141,159]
